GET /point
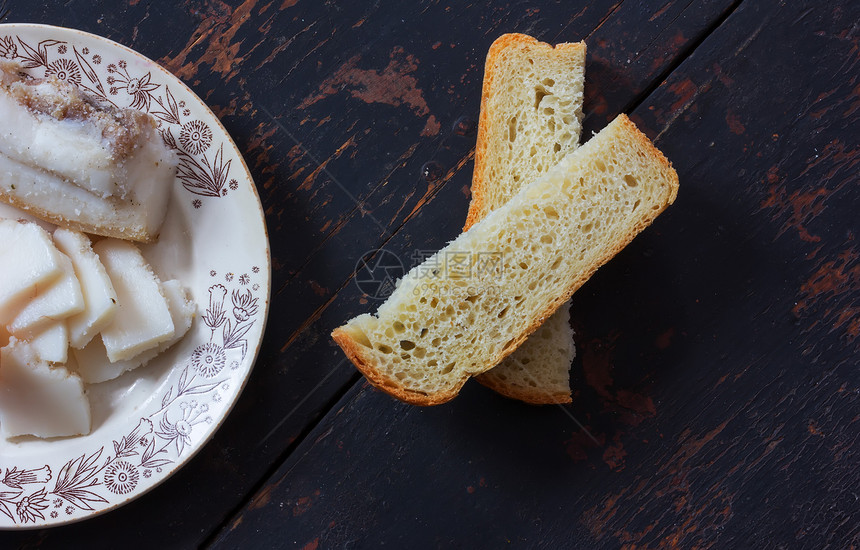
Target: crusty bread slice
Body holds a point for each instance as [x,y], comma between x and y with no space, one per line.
[531,118]
[538,372]
[470,305]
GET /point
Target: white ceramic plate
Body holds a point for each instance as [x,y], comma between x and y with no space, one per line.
[151,421]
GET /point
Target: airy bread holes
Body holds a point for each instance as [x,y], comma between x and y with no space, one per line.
[362,339]
[540,93]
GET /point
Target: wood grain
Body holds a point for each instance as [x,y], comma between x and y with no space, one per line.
[716,369]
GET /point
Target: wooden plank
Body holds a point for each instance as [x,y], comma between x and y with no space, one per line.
[446,194]
[717,364]
[638,43]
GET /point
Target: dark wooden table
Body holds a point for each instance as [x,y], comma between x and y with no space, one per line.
[717,362]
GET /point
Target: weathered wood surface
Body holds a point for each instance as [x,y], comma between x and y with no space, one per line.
[717,354]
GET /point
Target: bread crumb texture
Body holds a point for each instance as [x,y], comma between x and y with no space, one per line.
[531,118]
[467,307]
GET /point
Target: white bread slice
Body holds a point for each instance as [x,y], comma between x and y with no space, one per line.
[538,372]
[444,324]
[531,118]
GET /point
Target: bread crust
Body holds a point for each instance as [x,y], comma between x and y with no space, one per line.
[367,363]
[533,396]
[476,205]
[519,393]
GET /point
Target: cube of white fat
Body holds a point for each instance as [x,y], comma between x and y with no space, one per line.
[28,261]
[93,364]
[36,399]
[61,299]
[52,343]
[96,287]
[142,320]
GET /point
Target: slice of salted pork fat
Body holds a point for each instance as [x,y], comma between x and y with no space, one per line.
[52,343]
[96,287]
[39,399]
[142,320]
[37,263]
[71,160]
[52,303]
[93,363]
